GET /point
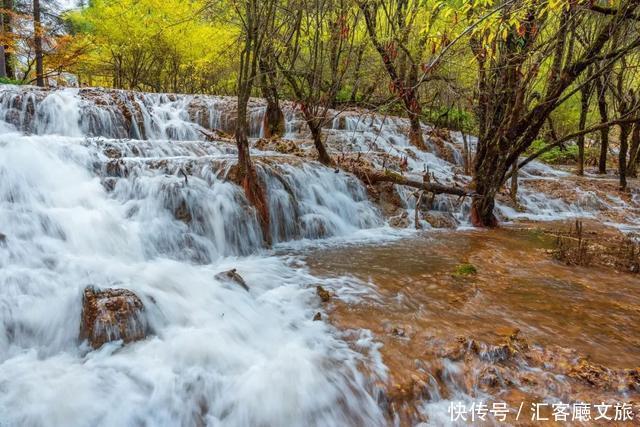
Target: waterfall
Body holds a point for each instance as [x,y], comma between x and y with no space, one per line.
[120,190]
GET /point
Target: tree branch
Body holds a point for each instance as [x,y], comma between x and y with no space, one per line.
[373,176]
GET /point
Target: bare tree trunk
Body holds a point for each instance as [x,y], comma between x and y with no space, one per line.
[490,169]
[584,111]
[247,175]
[408,93]
[466,156]
[514,183]
[273,122]
[357,75]
[632,165]
[315,126]
[604,132]
[8,69]
[622,155]
[3,65]
[37,32]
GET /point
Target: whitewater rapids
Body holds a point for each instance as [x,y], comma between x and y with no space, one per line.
[217,355]
[118,189]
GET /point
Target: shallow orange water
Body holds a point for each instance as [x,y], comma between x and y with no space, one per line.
[517,285]
[419,309]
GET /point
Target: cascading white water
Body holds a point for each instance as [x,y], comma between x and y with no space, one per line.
[121,114]
[82,204]
[159,218]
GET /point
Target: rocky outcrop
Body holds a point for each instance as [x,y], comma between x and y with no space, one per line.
[233,277]
[111,315]
[400,221]
[440,219]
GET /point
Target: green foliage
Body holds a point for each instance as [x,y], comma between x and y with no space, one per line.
[556,156]
[451,118]
[8,81]
[156,45]
[466,269]
[344,94]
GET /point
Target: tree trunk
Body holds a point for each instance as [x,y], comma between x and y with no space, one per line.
[316,134]
[514,183]
[357,74]
[3,31]
[604,132]
[250,181]
[584,111]
[622,155]
[371,176]
[273,123]
[9,70]
[465,154]
[247,175]
[3,65]
[37,31]
[415,133]
[632,165]
[408,93]
[490,169]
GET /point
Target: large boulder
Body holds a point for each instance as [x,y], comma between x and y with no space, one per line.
[111,315]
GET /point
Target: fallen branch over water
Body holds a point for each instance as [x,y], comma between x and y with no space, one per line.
[372,176]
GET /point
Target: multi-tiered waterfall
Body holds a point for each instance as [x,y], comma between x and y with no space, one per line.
[116,189]
[126,190]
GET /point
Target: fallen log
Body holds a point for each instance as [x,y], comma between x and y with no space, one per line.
[372,176]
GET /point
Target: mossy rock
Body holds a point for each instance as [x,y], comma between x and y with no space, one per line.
[466,269]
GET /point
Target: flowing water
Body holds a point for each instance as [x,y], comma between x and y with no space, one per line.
[73,216]
[117,189]
[443,333]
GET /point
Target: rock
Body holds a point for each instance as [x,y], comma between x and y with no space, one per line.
[286,146]
[388,199]
[109,184]
[400,221]
[112,153]
[232,276]
[116,168]
[440,219]
[317,317]
[595,375]
[182,213]
[633,379]
[111,315]
[324,295]
[3,239]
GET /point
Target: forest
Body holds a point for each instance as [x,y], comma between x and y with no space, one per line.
[319,212]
